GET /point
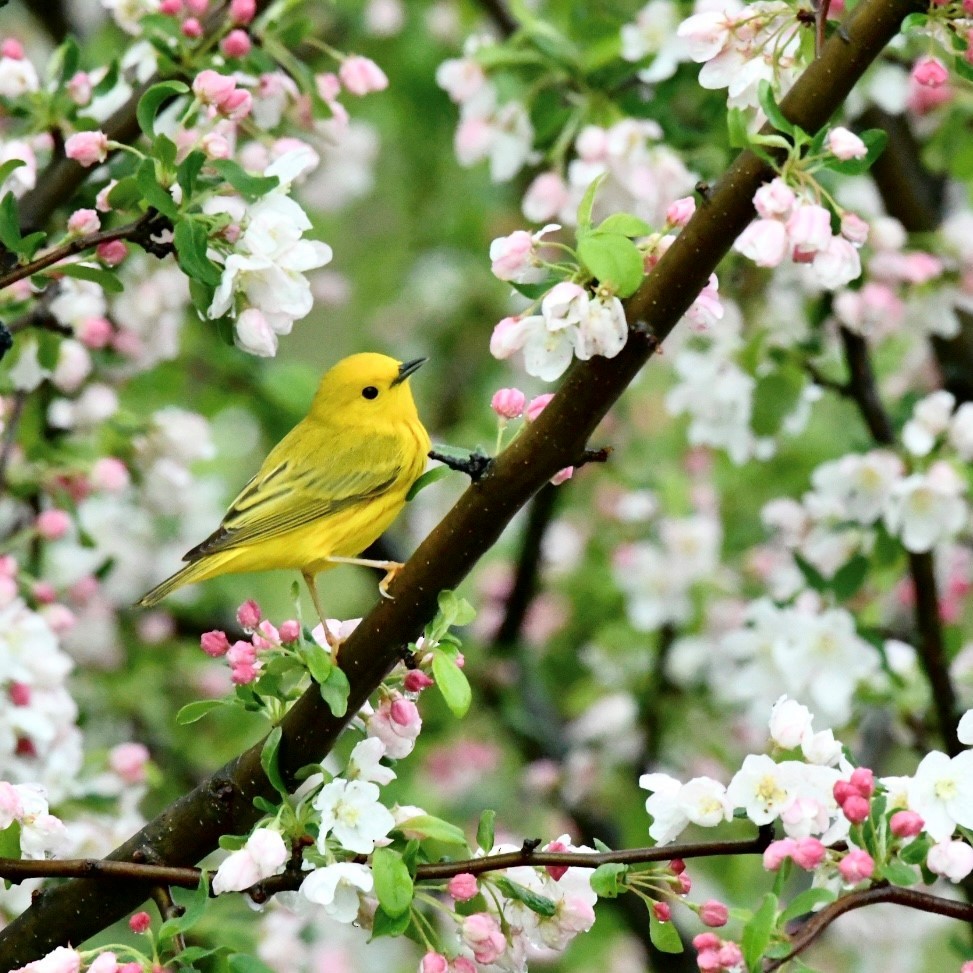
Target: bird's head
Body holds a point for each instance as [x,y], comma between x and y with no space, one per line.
[366,389]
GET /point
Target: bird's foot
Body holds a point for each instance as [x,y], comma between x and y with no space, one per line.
[383,586]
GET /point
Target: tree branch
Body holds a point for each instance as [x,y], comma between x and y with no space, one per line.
[189,828]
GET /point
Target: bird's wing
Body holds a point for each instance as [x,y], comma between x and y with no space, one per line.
[285,495]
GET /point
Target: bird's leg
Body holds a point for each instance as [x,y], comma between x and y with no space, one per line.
[391,569]
[333,641]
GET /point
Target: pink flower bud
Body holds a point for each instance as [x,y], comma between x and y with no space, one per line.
[130,968]
[403,712]
[906,824]
[59,618]
[94,332]
[774,199]
[706,940]
[236,105]
[171,8]
[856,866]
[809,229]
[110,475]
[507,338]
[845,145]
[677,866]
[211,87]
[243,675]
[662,911]
[708,961]
[855,809]
[808,853]
[508,403]
[730,956]
[248,614]
[562,475]
[19,693]
[434,963]
[197,7]
[140,922]
[361,75]
[87,148]
[191,28]
[52,525]
[243,11]
[290,631]
[129,761]
[863,780]
[842,790]
[680,212]
[236,44]
[112,252]
[43,592]
[12,48]
[241,653]
[537,405]
[79,88]
[84,221]
[854,229]
[930,72]
[462,887]
[416,680]
[216,145]
[685,883]
[215,643]
[714,913]
[482,933]
[557,872]
[777,852]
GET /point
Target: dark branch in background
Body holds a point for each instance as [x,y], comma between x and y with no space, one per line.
[10,434]
[863,390]
[223,804]
[53,16]
[497,11]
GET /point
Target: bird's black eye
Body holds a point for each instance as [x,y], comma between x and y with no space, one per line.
[369,392]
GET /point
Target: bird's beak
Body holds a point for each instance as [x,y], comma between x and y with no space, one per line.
[407,368]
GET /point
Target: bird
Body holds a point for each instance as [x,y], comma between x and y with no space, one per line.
[328,489]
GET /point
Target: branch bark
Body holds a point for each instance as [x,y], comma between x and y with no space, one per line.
[189,828]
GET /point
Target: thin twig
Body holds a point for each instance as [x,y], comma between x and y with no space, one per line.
[169,909]
[864,390]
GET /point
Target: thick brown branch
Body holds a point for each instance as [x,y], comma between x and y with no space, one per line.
[189,828]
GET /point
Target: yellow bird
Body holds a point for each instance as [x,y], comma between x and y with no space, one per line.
[329,488]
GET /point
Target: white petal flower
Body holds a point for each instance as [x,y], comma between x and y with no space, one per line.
[927,508]
[263,855]
[365,762]
[941,793]
[351,812]
[337,887]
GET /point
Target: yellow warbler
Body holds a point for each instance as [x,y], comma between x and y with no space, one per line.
[329,488]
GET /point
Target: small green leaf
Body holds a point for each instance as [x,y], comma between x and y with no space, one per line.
[427,479]
[850,577]
[188,171]
[606,880]
[815,579]
[10,166]
[125,193]
[765,94]
[436,829]
[898,873]
[250,186]
[540,904]
[736,126]
[243,963]
[484,830]
[195,910]
[152,100]
[533,292]
[9,222]
[916,851]
[452,684]
[269,760]
[624,224]
[104,278]
[191,242]
[587,204]
[664,935]
[335,691]
[614,260]
[385,925]
[196,711]
[10,841]
[154,194]
[455,610]
[756,933]
[393,883]
[193,953]
[775,396]
[807,901]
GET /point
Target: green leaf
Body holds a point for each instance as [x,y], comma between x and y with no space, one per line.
[807,901]
[193,953]
[269,760]
[125,193]
[664,935]
[850,577]
[587,204]
[455,610]
[393,883]
[453,684]
[875,141]
[385,925]
[318,661]
[165,152]
[812,575]
[9,222]
[765,94]
[540,904]
[484,830]
[898,873]
[10,841]
[69,56]
[775,396]
[533,292]
[250,186]
[756,933]
[106,279]
[916,851]
[8,167]
[191,242]
[195,910]
[427,479]
[152,100]
[243,963]
[624,224]
[196,711]
[614,260]
[436,829]
[335,691]
[736,126]
[606,880]
[188,171]
[154,194]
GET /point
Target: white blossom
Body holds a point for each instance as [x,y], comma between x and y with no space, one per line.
[351,813]
[337,888]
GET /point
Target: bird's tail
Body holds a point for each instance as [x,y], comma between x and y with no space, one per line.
[197,571]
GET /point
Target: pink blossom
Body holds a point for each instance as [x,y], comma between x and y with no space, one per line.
[774,199]
[60,618]
[214,643]
[511,255]
[11,807]
[61,960]
[462,887]
[764,242]
[863,780]
[361,75]
[140,922]
[12,48]
[777,852]
[854,228]
[241,653]
[662,911]
[290,631]
[192,28]
[930,72]
[557,872]
[708,961]
[84,221]
[855,809]
[244,674]
[211,87]
[508,403]
[845,144]
[507,337]
[243,11]
[197,7]
[8,566]
[462,964]
[730,955]
[951,859]
[236,44]
[404,712]
[94,332]
[416,680]
[236,105]
[838,264]
[706,940]
[105,962]
[130,968]
[129,761]
[398,733]
[43,592]
[856,866]
[684,883]
[52,525]
[249,615]
[562,476]
[79,88]
[537,405]
[109,474]
[171,8]
[714,913]
[87,148]
[111,252]
[906,824]
[545,197]
[482,934]
[680,212]
[677,866]
[809,229]
[434,963]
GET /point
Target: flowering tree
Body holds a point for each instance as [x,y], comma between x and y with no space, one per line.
[736,599]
